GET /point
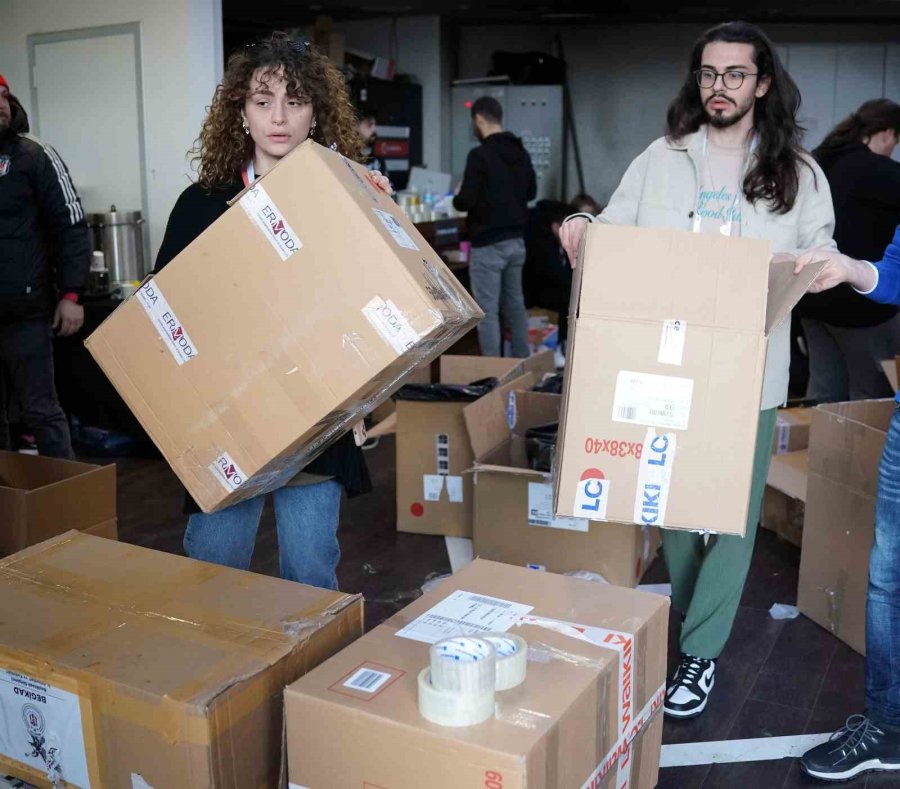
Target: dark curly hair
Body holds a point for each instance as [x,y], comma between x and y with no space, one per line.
[223,148]
[774,176]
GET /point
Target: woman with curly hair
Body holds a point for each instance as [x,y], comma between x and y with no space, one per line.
[276,93]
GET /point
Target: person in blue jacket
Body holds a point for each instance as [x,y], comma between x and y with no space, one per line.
[871,741]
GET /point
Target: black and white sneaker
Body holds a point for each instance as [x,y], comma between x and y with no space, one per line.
[860,746]
[689,689]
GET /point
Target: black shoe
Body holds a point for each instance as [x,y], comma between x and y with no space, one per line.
[689,689]
[860,746]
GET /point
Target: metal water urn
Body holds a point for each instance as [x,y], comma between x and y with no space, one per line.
[120,236]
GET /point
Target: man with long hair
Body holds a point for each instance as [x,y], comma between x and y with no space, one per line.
[730,163]
[848,336]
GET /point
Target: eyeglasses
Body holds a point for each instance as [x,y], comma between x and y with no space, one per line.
[300,47]
[732,80]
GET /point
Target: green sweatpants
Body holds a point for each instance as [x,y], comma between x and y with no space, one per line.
[708,579]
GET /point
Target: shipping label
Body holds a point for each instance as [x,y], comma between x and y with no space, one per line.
[540,510]
[263,212]
[464,614]
[653,400]
[654,478]
[432,485]
[41,727]
[671,344]
[227,472]
[455,489]
[166,322]
[397,231]
[391,324]
[592,495]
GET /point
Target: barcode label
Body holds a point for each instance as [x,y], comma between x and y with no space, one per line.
[628,412]
[653,400]
[367,680]
[463,613]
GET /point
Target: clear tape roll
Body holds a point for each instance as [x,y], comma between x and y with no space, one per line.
[463,664]
[448,708]
[511,660]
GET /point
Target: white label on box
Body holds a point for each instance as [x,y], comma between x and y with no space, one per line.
[784,434]
[671,344]
[40,726]
[653,400]
[455,489]
[367,680]
[442,450]
[654,478]
[592,495]
[138,782]
[268,219]
[166,322]
[464,614]
[227,472]
[391,324]
[432,485]
[540,510]
[397,231]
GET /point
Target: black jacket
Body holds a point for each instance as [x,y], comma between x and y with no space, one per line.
[497,185]
[865,188]
[44,243]
[196,209]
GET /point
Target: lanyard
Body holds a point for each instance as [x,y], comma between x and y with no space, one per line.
[725,229]
[248,174]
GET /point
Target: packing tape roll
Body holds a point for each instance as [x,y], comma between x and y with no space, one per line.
[447,708]
[512,659]
[463,664]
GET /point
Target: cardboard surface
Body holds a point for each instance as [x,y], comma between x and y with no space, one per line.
[553,731]
[845,446]
[664,375]
[789,474]
[141,663]
[792,430]
[783,515]
[108,529]
[425,503]
[513,520]
[42,497]
[290,318]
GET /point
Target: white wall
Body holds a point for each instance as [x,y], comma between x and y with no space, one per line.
[623,77]
[182,56]
[417,49]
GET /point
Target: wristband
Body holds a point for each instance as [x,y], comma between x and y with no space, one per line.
[71,297]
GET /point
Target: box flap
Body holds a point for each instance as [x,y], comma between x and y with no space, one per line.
[786,289]
[638,274]
[486,418]
[466,369]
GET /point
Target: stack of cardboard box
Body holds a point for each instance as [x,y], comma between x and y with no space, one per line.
[785,497]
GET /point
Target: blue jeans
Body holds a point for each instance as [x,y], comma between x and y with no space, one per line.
[883,603]
[306,517]
[495,273]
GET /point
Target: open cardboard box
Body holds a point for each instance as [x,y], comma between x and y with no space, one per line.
[666,358]
[514,520]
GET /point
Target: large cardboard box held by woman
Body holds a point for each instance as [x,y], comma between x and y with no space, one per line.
[122,667]
[289,319]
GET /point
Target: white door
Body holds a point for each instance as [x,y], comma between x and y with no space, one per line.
[86,103]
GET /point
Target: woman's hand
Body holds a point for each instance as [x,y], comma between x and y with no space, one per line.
[839,268]
[380,181]
[570,235]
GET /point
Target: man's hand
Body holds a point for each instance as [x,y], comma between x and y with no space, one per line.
[68,318]
[570,235]
[839,268]
[381,182]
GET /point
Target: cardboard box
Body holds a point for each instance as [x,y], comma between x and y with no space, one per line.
[563,727]
[784,501]
[253,351]
[108,530]
[513,517]
[434,495]
[142,668]
[891,369]
[792,430]
[845,446]
[41,497]
[664,375]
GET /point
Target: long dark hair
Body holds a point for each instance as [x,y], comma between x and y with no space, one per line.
[774,174]
[872,117]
